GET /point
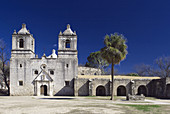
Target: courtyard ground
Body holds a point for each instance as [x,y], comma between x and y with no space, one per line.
[77,105]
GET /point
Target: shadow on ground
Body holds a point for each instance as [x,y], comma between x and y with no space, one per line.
[58,98]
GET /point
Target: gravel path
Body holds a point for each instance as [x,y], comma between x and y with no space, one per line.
[53,105]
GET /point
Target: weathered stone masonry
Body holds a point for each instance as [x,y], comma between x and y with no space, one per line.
[122,87]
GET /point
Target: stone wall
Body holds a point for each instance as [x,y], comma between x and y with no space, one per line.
[85,87]
[148,87]
[88,71]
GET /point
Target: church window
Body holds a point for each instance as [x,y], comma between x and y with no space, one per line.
[51,72]
[67,65]
[67,83]
[21,43]
[44,67]
[36,72]
[67,43]
[20,83]
[32,42]
[20,65]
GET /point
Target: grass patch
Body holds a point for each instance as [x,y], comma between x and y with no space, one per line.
[150,98]
[99,97]
[90,96]
[106,97]
[144,108]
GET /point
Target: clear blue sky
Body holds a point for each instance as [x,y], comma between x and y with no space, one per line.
[145,24]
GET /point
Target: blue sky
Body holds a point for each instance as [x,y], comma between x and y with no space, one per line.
[145,24]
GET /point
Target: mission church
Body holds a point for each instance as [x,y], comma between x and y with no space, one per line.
[59,74]
[48,75]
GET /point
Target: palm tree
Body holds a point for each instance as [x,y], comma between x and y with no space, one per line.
[115,50]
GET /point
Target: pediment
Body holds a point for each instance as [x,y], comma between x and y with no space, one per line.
[43,76]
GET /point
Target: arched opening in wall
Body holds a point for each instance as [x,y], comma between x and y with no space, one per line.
[67,43]
[121,91]
[21,43]
[142,90]
[43,90]
[100,91]
[168,90]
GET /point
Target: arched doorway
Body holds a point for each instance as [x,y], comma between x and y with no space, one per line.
[43,89]
[100,91]
[168,90]
[142,90]
[121,91]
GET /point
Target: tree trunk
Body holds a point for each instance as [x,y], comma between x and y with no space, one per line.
[4,76]
[112,71]
[7,84]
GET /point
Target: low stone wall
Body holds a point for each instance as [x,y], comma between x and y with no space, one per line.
[135,97]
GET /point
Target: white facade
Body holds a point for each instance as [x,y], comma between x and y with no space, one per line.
[52,75]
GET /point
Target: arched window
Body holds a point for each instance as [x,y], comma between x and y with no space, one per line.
[21,43]
[67,43]
[32,42]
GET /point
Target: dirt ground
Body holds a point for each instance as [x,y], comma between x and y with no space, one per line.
[69,105]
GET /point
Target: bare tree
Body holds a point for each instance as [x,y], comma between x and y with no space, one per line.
[4,65]
[161,69]
[164,66]
[144,70]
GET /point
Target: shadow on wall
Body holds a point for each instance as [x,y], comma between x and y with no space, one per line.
[84,89]
[168,91]
[67,90]
[156,88]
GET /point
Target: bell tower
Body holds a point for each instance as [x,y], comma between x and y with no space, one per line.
[23,46]
[67,44]
[23,43]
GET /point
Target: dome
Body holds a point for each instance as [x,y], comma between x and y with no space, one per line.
[23,30]
[53,55]
[68,31]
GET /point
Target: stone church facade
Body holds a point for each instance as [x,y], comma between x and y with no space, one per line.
[48,75]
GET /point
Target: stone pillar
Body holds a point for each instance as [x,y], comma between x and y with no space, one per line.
[51,88]
[38,89]
[75,86]
[90,87]
[111,87]
[133,87]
